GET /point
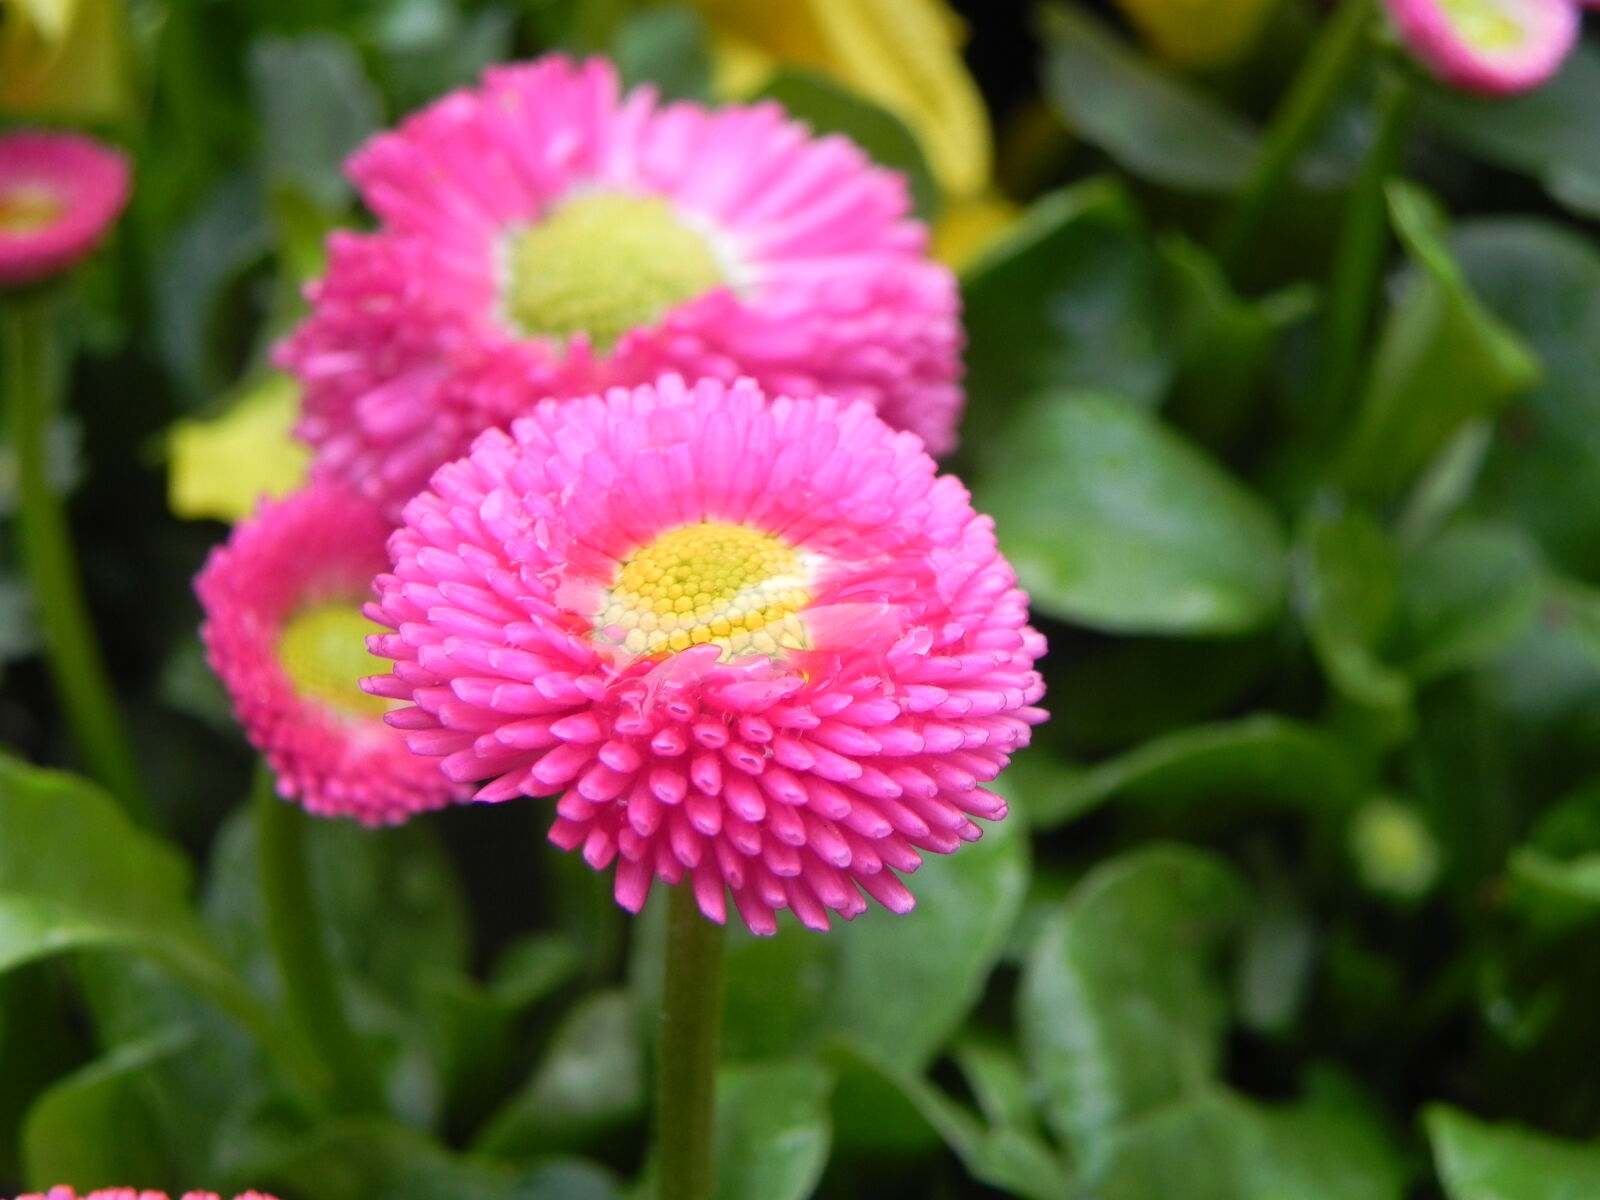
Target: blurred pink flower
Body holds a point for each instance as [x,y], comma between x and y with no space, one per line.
[545,236]
[1495,47]
[763,646]
[59,192]
[285,633]
[66,1193]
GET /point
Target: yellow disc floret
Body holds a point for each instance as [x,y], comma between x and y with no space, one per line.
[710,582]
[26,208]
[603,263]
[323,650]
[1485,25]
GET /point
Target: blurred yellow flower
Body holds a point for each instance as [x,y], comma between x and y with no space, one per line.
[902,54]
[1198,33]
[65,58]
[220,466]
[966,228]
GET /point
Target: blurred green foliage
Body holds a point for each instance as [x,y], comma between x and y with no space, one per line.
[1300,896]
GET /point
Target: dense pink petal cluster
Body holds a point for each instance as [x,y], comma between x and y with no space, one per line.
[318,546]
[407,353]
[66,1193]
[59,193]
[1494,47]
[797,780]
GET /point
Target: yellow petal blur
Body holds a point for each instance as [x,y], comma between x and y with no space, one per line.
[966,228]
[219,467]
[65,58]
[902,54]
[1198,33]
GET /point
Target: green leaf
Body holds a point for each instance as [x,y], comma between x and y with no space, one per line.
[1477,1160]
[1556,873]
[1265,757]
[1003,1155]
[1114,521]
[1224,343]
[1072,297]
[75,874]
[591,1081]
[397,929]
[772,1130]
[100,1126]
[1442,360]
[1464,595]
[829,108]
[1153,124]
[666,48]
[568,1179]
[1219,1146]
[940,955]
[1551,132]
[1544,282]
[316,106]
[1148,925]
[1122,1015]
[373,1158]
[1348,593]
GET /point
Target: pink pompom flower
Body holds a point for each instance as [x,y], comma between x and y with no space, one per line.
[59,193]
[66,1193]
[761,647]
[1494,47]
[284,631]
[544,235]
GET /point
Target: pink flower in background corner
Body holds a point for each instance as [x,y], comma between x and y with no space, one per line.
[66,1193]
[284,631]
[544,235]
[1495,47]
[59,193]
[759,646]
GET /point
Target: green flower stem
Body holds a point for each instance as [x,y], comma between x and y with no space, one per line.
[1317,86]
[691,1021]
[311,992]
[1358,265]
[71,649]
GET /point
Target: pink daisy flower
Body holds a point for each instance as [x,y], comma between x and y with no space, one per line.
[66,1193]
[759,647]
[285,633]
[544,235]
[59,193]
[1496,47]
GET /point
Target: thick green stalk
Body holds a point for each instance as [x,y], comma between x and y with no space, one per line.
[71,649]
[691,1024]
[310,990]
[1301,115]
[1358,265]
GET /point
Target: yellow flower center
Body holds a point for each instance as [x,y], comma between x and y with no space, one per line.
[708,582]
[323,650]
[1485,25]
[27,208]
[605,263]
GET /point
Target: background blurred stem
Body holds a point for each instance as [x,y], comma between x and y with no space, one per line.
[691,1019]
[1299,118]
[1359,261]
[71,649]
[305,967]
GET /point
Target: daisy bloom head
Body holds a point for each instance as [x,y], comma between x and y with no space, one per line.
[59,193]
[284,631]
[1494,47]
[760,648]
[66,1193]
[545,235]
